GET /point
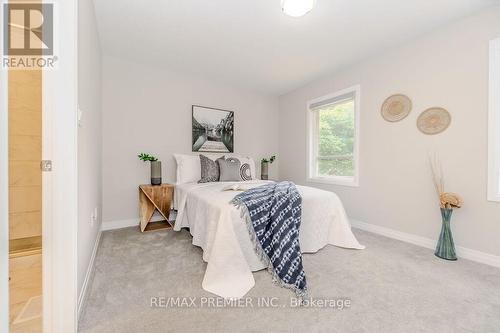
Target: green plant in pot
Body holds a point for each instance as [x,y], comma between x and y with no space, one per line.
[155,167]
[264,167]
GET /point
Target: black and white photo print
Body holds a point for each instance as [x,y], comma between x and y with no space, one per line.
[213,130]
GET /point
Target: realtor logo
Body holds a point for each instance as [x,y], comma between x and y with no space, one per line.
[28,29]
[28,36]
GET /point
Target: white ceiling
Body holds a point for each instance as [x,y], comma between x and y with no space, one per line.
[252,43]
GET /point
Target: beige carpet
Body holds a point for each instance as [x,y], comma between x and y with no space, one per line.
[392,287]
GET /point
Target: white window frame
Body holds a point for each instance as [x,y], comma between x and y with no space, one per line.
[312,139]
[494,123]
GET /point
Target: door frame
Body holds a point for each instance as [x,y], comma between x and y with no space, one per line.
[4,201]
[60,187]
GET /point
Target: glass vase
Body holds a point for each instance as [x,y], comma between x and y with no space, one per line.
[445,248]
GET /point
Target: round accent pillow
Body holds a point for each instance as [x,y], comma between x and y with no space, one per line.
[245,172]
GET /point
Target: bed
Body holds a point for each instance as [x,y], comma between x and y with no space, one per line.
[219,229]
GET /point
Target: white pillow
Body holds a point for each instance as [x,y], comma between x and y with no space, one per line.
[246,159]
[252,167]
[188,168]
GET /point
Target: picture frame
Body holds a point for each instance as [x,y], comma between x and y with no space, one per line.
[212,130]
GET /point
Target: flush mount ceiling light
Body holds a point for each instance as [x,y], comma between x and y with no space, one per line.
[297,8]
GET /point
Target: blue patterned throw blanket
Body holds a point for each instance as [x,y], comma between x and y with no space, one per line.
[273,215]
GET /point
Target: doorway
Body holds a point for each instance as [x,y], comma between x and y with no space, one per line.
[38,211]
[25,200]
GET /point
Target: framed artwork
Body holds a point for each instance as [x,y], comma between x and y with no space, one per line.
[213,130]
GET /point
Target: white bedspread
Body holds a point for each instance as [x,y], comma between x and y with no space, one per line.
[218,228]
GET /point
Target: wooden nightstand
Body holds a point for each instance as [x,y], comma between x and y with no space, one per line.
[155,198]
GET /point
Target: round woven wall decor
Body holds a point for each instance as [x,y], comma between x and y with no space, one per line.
[396,108]
[433,121]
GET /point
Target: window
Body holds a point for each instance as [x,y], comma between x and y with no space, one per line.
[333,135]
[494,123]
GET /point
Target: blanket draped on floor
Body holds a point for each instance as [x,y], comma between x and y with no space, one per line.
[273,214]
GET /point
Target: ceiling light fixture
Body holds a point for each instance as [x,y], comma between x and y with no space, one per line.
[297,8]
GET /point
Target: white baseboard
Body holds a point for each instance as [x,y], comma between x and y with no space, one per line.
[90,269]
[463,252]
[119,224]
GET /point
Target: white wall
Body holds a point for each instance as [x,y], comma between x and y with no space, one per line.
[447,68]
[147,109]
[89,136]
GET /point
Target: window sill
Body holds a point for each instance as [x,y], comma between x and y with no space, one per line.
[494,198]
[342,181]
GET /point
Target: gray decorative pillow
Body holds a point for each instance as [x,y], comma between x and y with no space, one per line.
[230,170]
[209,169]
[233,170]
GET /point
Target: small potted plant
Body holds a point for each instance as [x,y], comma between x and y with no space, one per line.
[264,167]
[155,167]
